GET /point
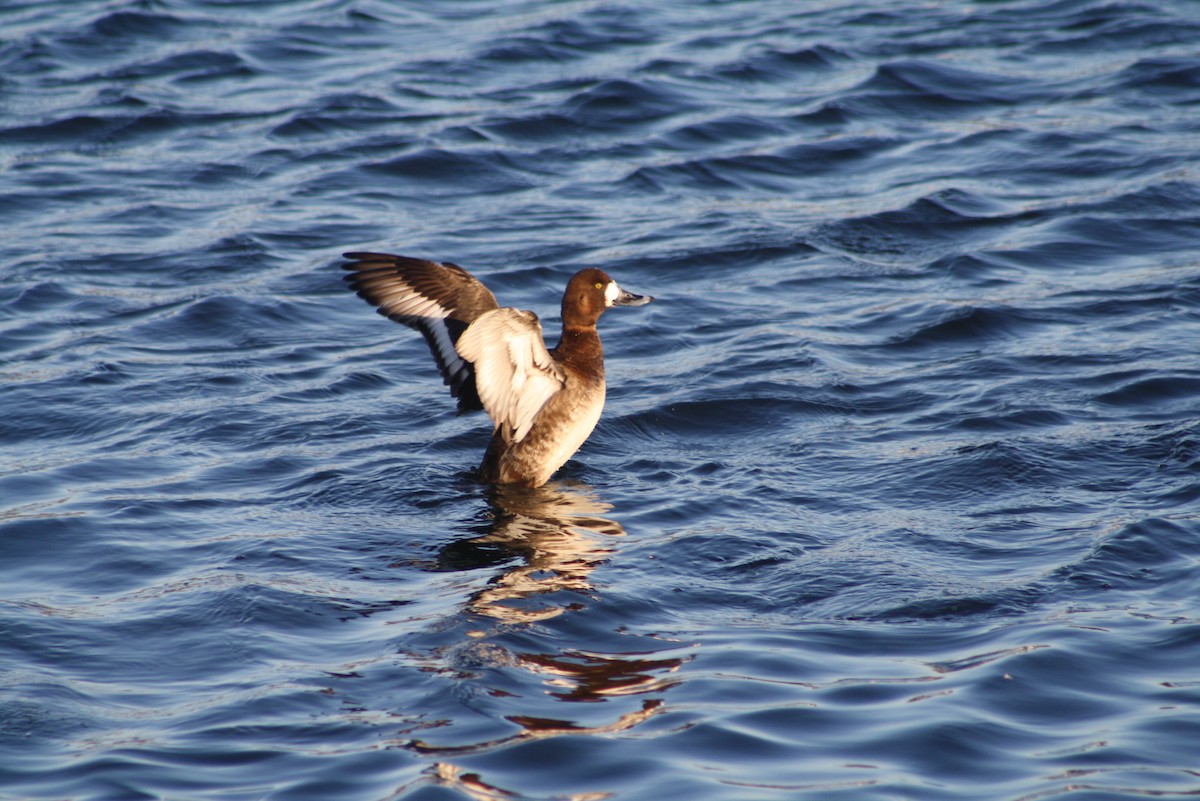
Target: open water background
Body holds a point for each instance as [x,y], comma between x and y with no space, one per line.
[897,494]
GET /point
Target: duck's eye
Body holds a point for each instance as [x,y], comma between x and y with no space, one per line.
[599,285]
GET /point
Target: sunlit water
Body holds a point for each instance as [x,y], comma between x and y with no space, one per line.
[896,496]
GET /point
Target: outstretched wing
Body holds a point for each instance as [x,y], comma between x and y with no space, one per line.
[438,299]
[514,373]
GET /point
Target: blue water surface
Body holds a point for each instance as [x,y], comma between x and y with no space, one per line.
[896,495]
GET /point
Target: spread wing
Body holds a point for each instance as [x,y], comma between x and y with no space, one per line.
[514,372]
[438,299]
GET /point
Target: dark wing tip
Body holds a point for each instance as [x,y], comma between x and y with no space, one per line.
[384,280]
[357,259]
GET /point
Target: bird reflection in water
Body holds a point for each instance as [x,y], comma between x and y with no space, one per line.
[549,540]
[558,535]
[472,786]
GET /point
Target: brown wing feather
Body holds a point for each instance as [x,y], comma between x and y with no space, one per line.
[438,299]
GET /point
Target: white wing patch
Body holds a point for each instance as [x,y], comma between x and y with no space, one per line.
[400,301]
[514,373]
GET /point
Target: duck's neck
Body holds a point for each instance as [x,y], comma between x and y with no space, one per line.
[580,346]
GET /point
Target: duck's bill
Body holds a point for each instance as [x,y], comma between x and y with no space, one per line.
[629,299]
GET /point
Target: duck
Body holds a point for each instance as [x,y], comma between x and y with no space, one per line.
[543,402]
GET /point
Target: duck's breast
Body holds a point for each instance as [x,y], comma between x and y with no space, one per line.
[560,428]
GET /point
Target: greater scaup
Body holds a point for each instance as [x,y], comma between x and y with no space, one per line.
[543,403]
